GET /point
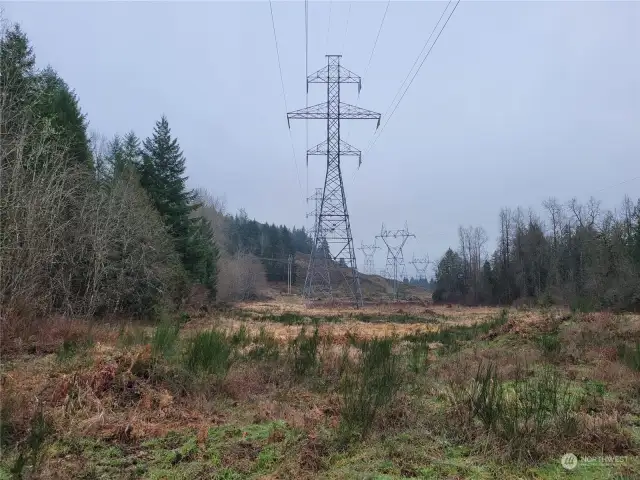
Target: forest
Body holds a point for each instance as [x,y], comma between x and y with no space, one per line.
[581,256]
[91,225]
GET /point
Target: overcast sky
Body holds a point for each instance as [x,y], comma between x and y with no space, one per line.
[517,102]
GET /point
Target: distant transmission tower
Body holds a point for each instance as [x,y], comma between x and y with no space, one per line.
[421,265]
[395,240]
[316,198]
[333,225]
[369,251]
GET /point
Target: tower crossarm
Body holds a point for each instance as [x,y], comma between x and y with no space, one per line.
[345,150]
[345,111]
[334,74]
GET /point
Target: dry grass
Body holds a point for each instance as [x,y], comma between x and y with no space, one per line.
[116,395]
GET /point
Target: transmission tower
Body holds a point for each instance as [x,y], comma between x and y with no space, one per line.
[395,240]
[369,251]
[316,198]
[421,265]
[332,226]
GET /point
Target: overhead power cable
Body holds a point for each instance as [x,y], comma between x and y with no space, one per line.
[346,29]
[284,96]
[375,43]
[306,75]
[376,137]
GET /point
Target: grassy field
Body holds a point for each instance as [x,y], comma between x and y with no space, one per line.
[275,390]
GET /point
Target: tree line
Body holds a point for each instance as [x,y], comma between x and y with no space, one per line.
[580,256]
[90,225]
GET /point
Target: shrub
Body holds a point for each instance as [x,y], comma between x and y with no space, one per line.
[523,412]
[164,338]
[304,352]
[72,346]
[209,352]
[630,355]
[550,344]
[368,386]
[30,451]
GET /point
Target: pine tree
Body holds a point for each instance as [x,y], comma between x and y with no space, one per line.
[131,149]
[17,81]
[59,105]
[162,174]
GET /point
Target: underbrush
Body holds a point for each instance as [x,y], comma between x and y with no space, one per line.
[368,386]
[526,414]
[241,404]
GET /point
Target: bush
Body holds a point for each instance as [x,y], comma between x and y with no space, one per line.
[523,412]
[164,338]
[304,352]
[630,355]
[209,352]
[368,386]
[550,344]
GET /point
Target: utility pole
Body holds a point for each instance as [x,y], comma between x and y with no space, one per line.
[333,227]
[395,257]
[369,251]
[289,264]
[421,265]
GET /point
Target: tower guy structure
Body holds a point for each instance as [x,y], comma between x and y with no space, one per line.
[421,265]
[395,241]
[369,251]
[333,229]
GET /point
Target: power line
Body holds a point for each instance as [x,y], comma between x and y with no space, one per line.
[618,184]
[346,30]
[375,139]
[306,74]
[329,24]
[375,43]
[284,96]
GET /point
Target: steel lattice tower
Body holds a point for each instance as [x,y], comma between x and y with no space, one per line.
[395,257]
[333,227]
[369,251]
[316,198]
[421,265]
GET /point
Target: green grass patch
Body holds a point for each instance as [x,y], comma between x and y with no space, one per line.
[450,337]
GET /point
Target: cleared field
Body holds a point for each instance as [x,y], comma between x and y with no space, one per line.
[242,393]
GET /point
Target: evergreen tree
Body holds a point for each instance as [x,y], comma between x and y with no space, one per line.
[59,105]
[162,174]
[131,149]
[17,81]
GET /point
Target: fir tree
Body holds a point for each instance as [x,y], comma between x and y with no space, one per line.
[59,105]
[17,85]
[162,174]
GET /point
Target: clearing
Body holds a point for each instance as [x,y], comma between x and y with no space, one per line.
[275,390]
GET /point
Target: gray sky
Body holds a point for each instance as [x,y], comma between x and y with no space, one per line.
[517,102]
